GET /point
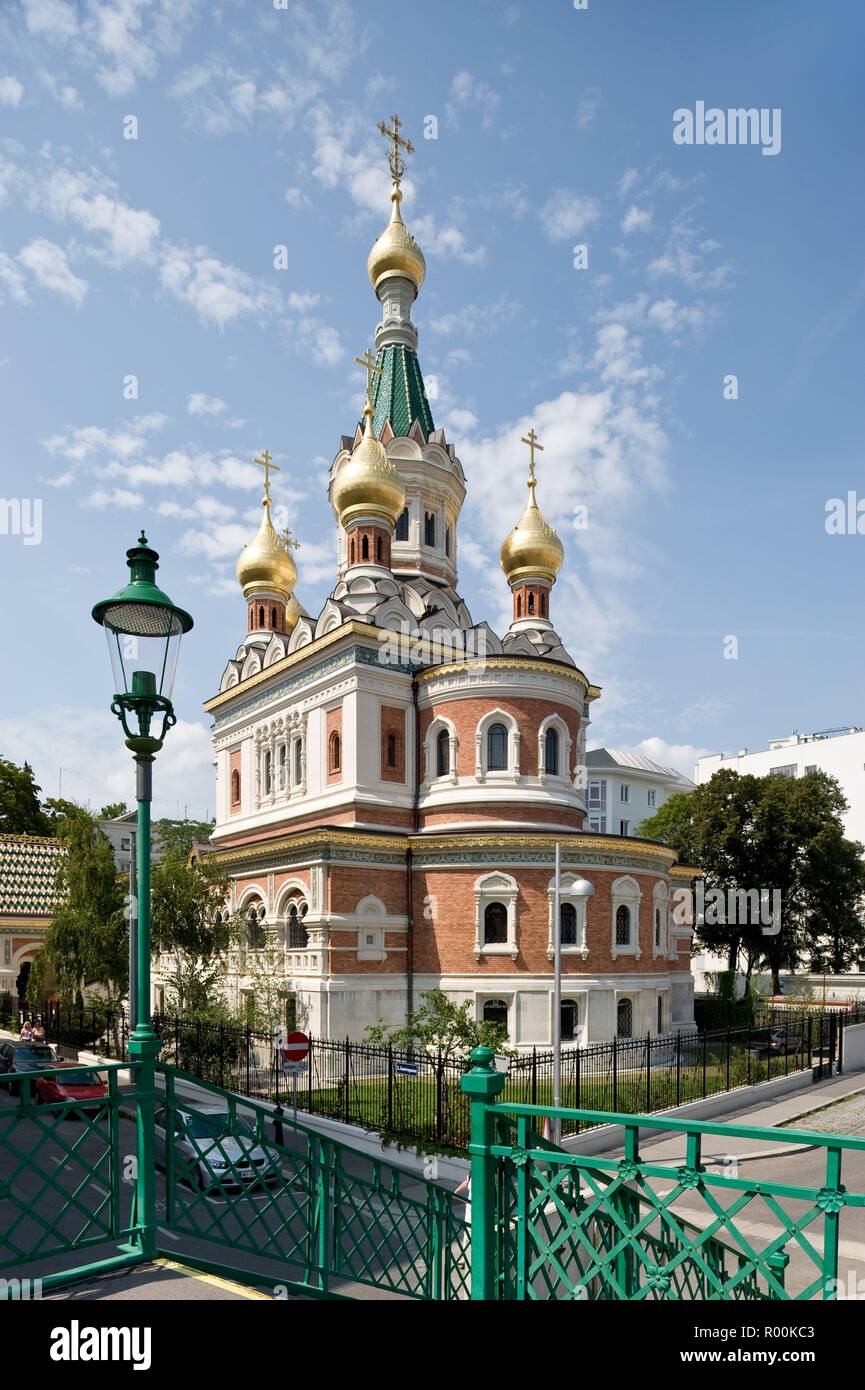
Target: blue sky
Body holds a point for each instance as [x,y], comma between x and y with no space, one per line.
[256,128]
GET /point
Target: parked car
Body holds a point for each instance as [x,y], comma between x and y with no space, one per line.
[218,1151]
[21,1057]
[78,1084]
[769,1040]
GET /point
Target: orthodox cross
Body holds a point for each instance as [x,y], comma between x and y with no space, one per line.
[532,440]
[288,540]
[368,362]
[394,158]
[265,463]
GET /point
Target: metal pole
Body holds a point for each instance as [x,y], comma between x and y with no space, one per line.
[144,1044]
[133,931]
[556,1127]
[294,1095]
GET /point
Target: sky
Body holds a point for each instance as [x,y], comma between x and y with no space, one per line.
[155,155]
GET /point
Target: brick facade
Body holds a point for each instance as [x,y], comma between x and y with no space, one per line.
[392,753]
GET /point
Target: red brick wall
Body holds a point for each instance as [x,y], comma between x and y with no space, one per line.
[334,726]
[531,601]
[393,724]
[502,811]
[348,884]
[529,714]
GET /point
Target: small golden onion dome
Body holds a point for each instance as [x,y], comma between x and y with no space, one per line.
[396,252]
[367,483]
[532,548]
[265,563]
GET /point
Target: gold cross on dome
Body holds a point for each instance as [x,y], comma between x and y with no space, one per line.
[368,362]
[532,440]
[394,158]
[288,540]
[265,463]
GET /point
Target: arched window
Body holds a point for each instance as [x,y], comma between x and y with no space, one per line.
[624,1019]
[335,752]
[551,752]
[543,604]
[447,541]
[568,924]
[298,936]
[255,933]
[401,533]
[496,1011]
[497,748]
[378,549]
[623,925]
[273,618]
[261,617]
[569,1020]
[429,528]
[657,926]
[268,774]
[235,788]
[298,762]
[283,766]
[443,753]
[519,605]
[364,548]
[660,1013]
[392,750]
[531,605]
[351,551]
[495,924]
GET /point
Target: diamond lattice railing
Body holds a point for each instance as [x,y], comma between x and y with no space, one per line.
[575,1226]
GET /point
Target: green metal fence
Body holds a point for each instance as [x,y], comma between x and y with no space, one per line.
[548,1224]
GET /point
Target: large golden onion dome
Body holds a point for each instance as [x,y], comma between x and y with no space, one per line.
[367,483]
[396,252]
[532,549]
[265,564]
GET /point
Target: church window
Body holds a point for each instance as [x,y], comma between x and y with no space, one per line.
[551,752]
[402,525]
[660,1013]
[519,605]
[531,604]
[283,764]
[495,924]
[568,924]
[497,748]
[255,933]
[298,937]
[657,926]
[298,762]
[268,775]
[261,617]
[235,788]
[273,618]
[623,925]
[447,541]
[624,1019]
[392,750]
[378,549]
[335,752]
[429,528]
[496,1011]
[443,753]
[351,551]
[543,605]
[569,1020]
[364,548]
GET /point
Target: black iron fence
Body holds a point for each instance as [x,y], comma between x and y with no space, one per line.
[418,1097]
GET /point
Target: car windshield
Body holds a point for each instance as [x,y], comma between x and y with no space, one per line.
[218,1126]
[79,1078]
[35,1053]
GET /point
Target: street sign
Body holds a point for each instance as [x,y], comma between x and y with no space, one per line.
[294,1068]
[405,1068]
[295,1047]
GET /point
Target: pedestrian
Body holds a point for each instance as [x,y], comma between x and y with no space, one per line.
[38,1035]
[26,1034]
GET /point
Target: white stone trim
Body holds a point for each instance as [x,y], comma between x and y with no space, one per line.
[625,892]
[580,903]
[431,775]
[512,771]
[496,887]
[554,721]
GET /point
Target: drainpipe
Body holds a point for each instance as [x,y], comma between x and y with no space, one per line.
[409,891]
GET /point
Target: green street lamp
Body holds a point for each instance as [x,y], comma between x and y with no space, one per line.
[143,628]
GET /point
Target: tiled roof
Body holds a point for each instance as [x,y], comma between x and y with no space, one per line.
[617,757]
[28,869]
[399,394]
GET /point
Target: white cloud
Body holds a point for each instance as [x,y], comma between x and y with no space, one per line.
[476,320]
[217,292]
[118,497]
[470,93]
[12,281]
[627,181]
[50,268]
[637,219]
[296,198]
[11,91]
[567,213]
[590,105]
[302,303]
[199,403]
[681,756]
[130,234]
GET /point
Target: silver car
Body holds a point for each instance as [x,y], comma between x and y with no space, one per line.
[212,1150]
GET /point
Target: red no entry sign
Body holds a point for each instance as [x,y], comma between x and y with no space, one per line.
[295,1047]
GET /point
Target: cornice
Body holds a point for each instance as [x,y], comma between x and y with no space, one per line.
[352,628]
[491,664]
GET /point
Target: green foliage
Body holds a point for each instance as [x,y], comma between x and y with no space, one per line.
[21,812]
[439,1025]
[181,835]
[188,922]
[113,810]
[673,824]
[87,941]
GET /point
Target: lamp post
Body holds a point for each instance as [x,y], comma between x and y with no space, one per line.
[143,628]
[581,888]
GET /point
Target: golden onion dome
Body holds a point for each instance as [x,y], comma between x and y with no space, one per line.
[265,563]
[367,483]
[396,252]
[532,548]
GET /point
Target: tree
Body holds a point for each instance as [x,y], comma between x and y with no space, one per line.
[87,941]
[113,810]
[673,824]
[439,1025]
[188,921]
[20,810]
[182,834]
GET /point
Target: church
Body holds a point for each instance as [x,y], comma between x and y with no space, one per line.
[392,776]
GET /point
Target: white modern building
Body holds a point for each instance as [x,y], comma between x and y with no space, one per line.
[840,752]
[624,789]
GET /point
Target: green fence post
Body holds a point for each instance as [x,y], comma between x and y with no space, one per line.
[482,1084]
[778,1264]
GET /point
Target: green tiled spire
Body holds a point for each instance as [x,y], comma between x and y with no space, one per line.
[399,394]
